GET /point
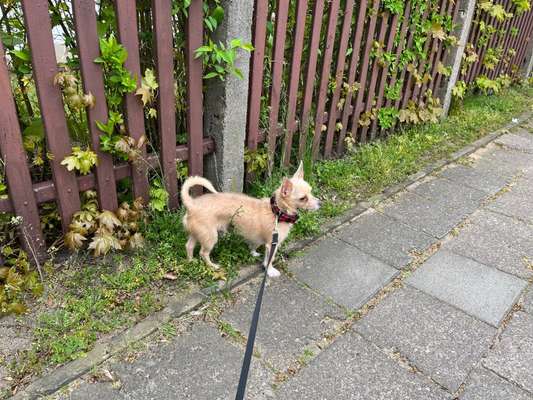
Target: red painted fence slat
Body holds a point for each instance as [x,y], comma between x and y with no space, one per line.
[358,107]
[195,127]
[527,27]
[406,94]
[481,54]
[473,39]
[40,39]
[343,47]
[522,27]
[514,45]
[509,23]
[399,49]
[356,53]
[93,82]
[324,76]
[369,101]
[296,62]
[435,83]
[278,59]
[127,30]
[318,12]
[256,73]
[384,70]
[433,60]
[16,168]
[164,51]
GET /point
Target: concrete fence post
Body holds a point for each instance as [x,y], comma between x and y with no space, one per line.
[527,67]
[455,55]
[226,103]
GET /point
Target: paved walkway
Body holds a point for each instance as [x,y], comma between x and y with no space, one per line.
[427,296]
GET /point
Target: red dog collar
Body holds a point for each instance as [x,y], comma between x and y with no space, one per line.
[282,215]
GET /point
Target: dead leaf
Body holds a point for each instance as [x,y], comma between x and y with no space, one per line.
[145,93]
[170,276]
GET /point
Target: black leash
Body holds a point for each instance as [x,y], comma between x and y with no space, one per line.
[253,327]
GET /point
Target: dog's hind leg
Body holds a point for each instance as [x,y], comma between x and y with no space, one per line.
[189,247]
[253,250]
[208,241]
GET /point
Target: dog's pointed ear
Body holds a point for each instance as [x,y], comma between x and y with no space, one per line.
[299,174]
[286,187]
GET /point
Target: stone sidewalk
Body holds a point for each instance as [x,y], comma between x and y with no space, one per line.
[426,296]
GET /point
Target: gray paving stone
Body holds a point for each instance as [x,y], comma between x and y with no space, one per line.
[523,131]
[512,355]
[483,292]
[528,301]
[450,194]
[346,274]
[199,364]
[292,317]
[353,369]
[486,180]
[437,338]
[517,201]
[522,187]
[496,240]
[504,161]
[385,238]
[485,385]
[422,214]
[517,142]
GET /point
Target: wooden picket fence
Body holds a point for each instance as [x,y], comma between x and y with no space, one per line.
[503,40]
[303,83]
[295,105]
[65,187]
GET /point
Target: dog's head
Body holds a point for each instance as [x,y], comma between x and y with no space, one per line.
[295,193]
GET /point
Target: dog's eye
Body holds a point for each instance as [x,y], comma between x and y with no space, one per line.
[303,198]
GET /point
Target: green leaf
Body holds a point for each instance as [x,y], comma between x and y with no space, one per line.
[210,75]
[24,55]
[218,14]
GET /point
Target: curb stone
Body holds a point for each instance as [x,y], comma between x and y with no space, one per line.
[105,349]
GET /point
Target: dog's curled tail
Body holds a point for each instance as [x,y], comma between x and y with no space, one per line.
[189,183]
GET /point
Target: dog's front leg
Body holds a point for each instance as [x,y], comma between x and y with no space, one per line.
[271,271]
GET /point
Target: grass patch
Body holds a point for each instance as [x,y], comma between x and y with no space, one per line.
[374,166]
[86,300]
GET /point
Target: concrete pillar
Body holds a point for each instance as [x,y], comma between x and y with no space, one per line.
[226,103]
[455,56]
[527,68]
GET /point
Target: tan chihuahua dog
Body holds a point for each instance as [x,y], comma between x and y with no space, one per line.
[254,219]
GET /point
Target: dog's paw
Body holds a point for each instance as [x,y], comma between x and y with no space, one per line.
[255,253]
[273,272]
